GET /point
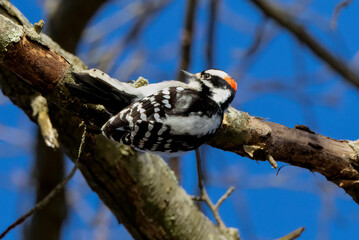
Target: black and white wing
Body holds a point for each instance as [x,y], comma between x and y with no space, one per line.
[174,119]
[96,87]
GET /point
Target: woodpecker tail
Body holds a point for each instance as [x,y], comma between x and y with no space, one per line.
[96,87]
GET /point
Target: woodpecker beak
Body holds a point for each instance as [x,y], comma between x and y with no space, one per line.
[189,76]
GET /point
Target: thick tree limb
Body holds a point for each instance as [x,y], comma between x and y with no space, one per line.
[69,20]
[255,138]
[139,189]
[284,19]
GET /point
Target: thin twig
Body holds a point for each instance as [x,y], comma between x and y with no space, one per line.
[281,169]
[272,161]
[199,170]
[211,33]
[148,10]
[287,21]
[40,205]
[338,8]
[293,235]
[204,195]
[224,197]
[259,35]
[187,38]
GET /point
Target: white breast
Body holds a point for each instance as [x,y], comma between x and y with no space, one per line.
[193,124]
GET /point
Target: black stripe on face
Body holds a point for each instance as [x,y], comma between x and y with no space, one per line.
[218,82]
[205,89]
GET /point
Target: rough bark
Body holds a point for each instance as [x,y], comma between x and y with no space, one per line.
[139,189]
[255,138]
[49,163]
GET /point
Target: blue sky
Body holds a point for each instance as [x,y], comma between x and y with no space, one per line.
[284,83]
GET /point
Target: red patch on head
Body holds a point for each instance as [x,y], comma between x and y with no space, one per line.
[231,82]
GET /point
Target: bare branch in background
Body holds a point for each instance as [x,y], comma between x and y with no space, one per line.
[186,50]
[67,22]
[263,34]
[340,6]
[48,171]
[16,137]
[209,50]
[130,65]
[302,81]
[211,32]
[204,195]
[45,201]
[287,21]
[187,38]
[104,27]
[258,39]
[149,9]
[102,223]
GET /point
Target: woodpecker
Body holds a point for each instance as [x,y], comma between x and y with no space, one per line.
[165,117]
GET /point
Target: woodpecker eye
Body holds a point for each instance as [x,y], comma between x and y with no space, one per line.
[207,76]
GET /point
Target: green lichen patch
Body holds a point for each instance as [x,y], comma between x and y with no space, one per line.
[10,33]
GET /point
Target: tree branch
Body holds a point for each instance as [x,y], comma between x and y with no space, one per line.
[204,195]
[139,189]
[68,18]
[255,138]
[293,235]
[284,19]
[338,8]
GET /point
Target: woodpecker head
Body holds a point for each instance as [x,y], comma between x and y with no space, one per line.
[214,83]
